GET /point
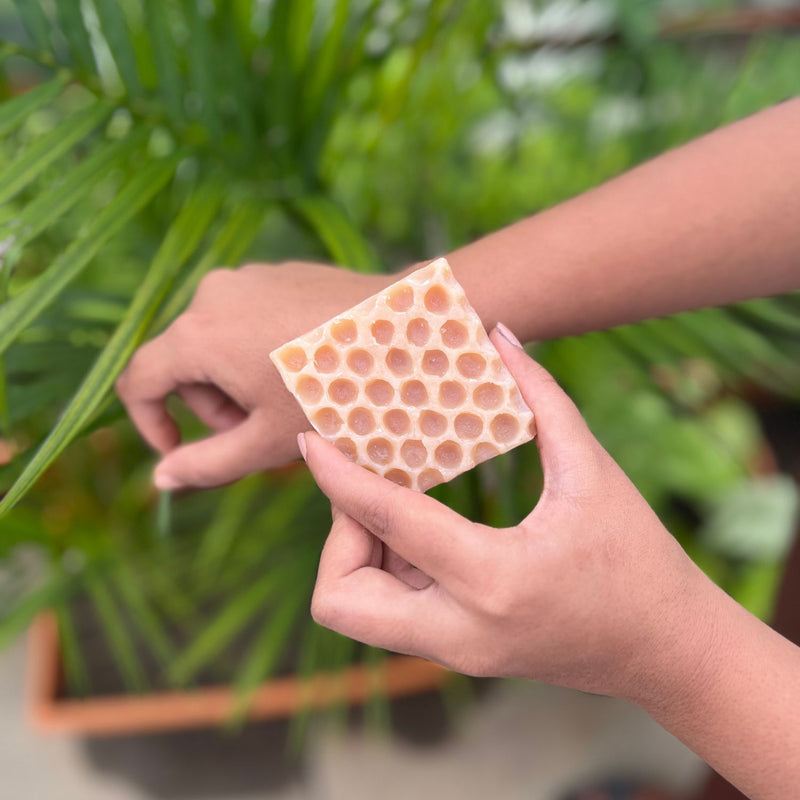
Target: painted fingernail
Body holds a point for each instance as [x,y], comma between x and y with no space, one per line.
[165,482]
[507,335]
[301,443]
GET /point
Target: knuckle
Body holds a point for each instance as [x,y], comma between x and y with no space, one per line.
[380,513]
[323,609]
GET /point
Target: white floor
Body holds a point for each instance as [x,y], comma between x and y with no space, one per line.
[521,742]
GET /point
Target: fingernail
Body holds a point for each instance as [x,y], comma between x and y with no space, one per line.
[166,483]
[507,335]
[301,443]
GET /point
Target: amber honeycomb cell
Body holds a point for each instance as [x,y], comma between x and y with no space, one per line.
[407,383]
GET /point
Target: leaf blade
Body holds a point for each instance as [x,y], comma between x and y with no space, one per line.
[72,24]
[115,29]
[16,110]
[18,312]
[337,233]
[181,240]
[44,151]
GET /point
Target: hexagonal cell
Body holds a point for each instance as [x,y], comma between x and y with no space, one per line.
[380,392]
[435,362]
[483,451]
[399,477]
[448,454]
[454,334]
[437,300]
[504,428]
[380,450]
[399,361]
[361,421]
[488,396]
[326,359]
[294,358]
[344,331]
[327,421]
[468,426]
[432,423]
[348,447]
[429,478]
[360,361]
[397,421]
[414,453]
[451,394]
[471,365]
[309,389]
[382,331]
[418,332]
[401,298]
[414,393]
[343,391]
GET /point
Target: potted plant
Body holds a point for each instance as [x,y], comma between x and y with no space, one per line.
[169,139]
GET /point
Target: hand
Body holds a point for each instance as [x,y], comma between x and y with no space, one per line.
[582,593]
[216,357]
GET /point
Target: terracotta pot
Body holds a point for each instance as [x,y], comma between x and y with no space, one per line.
[50,712]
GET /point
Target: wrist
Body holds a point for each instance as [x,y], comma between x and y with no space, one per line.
[681,663]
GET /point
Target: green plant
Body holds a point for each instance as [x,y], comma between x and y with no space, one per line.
[164,138]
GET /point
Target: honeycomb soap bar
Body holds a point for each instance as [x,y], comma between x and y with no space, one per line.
[407,383]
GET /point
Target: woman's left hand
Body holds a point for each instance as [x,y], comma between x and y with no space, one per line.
[587,591]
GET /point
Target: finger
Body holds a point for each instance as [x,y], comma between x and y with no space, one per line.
[396,565]
[420,529]
[362,601]
[212,406]
[155,371]
[217,460]
[385,558]
[561,432]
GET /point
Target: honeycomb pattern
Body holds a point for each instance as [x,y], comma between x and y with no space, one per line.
[407,383]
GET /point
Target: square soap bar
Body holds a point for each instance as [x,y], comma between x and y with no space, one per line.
[407,383]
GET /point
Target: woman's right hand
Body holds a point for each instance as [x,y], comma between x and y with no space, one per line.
[216,357]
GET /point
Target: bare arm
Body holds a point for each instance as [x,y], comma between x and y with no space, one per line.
[709,223]
[713,222]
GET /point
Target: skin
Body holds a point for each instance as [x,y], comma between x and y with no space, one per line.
[589,591]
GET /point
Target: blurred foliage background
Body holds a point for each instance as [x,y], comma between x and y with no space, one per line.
[145,142]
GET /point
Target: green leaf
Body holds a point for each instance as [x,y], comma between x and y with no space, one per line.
[169,76]
[218,632]
[322,75]
[129,585]
[262,658]
[218,536]
[228,247]
[22,309]
[71,18]
[35,22]
[15,111]
[117,633]
[300,18]
[78,183]
[44,151]
[181,240]
[115,29]
[51,594]
[333,227]
[202,60]
[75,672]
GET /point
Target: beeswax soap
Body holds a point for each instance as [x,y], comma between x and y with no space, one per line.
[407,383]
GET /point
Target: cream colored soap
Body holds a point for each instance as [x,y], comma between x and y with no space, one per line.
[407,383]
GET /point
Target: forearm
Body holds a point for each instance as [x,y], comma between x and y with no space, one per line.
[730,690]
[713,222]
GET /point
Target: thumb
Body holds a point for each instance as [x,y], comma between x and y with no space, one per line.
[561,433]
[216,460]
